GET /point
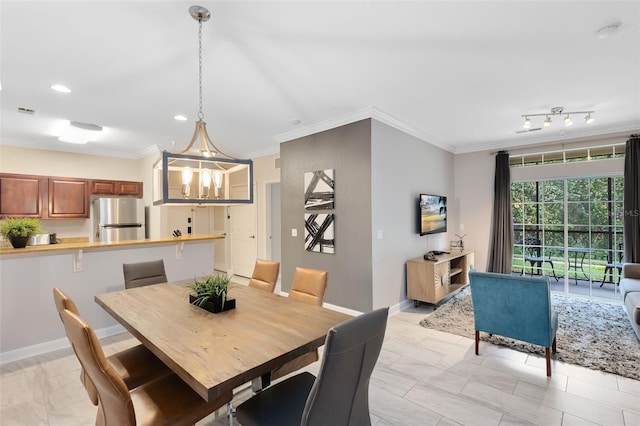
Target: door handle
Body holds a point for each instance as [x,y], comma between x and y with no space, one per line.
[252,236]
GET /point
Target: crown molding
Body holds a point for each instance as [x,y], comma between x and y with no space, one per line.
[72,148]
[574,135]
[367,112]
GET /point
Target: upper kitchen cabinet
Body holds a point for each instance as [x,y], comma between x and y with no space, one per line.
[116,187]
[68,198]
[21,195]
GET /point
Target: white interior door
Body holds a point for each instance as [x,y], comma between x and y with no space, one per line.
[244,246]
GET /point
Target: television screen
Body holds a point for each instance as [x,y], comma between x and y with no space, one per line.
[433,214]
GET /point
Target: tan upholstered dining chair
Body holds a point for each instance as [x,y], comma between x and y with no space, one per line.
[166,400]
[308,286]
[265,275]
[144,273]
[134,366]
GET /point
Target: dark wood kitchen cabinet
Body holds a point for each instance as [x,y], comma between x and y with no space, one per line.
[22,195]
[116,187]
[68,198]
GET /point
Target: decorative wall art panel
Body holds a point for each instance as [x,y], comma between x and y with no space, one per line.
[319,191]
[319,233]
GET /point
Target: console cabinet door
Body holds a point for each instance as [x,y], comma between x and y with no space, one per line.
[68,198]
[21,195]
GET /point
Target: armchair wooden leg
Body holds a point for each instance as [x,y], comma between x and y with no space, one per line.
[547,353]
[477,340]
[553,346]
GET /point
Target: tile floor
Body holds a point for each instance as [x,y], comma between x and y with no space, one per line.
[423,377]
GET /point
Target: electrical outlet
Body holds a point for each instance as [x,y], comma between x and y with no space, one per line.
[294,232]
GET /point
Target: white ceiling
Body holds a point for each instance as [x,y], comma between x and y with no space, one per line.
[457,74]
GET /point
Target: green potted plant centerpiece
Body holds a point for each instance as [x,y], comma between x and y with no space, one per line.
[18,230]
[210,293]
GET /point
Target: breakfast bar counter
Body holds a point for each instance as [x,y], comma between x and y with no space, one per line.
[73,244]
[29,322]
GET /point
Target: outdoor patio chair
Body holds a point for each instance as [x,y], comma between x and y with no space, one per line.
[533,255]
[611,263]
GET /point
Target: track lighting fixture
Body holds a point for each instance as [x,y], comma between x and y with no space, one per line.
[568,121]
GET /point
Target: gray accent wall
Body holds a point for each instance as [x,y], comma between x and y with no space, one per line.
[347,150]
[379,173]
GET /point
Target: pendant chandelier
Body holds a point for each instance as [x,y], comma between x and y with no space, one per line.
[188,176]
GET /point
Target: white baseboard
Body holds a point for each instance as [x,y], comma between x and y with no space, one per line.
[52,345]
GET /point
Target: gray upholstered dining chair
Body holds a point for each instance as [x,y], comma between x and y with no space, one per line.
[166,400]
[144,273]
[136,365]
[340,393]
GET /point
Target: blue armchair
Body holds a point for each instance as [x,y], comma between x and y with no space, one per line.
[514,307]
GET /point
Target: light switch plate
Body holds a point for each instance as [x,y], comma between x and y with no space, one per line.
[294,232]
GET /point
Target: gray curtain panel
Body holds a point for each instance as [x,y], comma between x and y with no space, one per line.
[632,200]
[500,249]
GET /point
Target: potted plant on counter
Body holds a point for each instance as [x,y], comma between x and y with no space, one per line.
[210,293]
[18,230]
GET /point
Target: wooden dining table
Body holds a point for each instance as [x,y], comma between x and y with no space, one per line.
[214,353]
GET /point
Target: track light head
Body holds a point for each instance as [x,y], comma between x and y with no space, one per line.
[547,122]
[568,121]
[589,119]
[527,123]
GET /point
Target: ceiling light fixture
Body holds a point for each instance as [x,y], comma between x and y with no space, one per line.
[201,159]
[568,121]
[61,88]
[607,30]
[80,133]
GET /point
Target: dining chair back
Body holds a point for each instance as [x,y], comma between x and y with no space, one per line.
[144,273]
[265,275]
[339,395]
[166,400]
[309,286]
[135,365]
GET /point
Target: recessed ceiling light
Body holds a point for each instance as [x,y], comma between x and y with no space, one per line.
[180,118]
[608,30]
[61,88]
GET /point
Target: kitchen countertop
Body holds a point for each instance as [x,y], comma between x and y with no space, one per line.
[70,244]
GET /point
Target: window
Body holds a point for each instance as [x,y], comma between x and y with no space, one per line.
[577,223]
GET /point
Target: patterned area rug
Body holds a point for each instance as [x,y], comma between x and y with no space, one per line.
[592,334]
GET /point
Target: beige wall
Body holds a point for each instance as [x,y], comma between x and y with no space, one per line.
[264,173]
[56,163]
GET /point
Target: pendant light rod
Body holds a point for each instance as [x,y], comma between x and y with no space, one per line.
[200,138]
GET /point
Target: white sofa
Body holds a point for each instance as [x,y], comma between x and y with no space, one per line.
[630,290]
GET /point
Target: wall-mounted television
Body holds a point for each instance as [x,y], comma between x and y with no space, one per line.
[432,214]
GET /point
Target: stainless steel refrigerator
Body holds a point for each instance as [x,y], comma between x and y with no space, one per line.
[118,219]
